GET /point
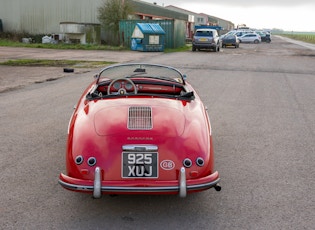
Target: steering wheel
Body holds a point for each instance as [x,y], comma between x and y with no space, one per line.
[121,85]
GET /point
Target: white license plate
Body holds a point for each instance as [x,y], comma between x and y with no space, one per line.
[139,165]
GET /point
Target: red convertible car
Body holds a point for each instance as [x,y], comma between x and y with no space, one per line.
[139,129]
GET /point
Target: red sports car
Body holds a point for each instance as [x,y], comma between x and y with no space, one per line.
[139,129]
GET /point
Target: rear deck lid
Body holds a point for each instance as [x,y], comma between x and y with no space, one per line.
[158,120]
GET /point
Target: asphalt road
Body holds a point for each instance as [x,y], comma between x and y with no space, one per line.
[261,102]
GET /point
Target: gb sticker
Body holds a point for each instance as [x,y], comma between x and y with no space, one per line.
[167,164]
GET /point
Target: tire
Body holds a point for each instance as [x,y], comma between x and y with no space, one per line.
[216,48]
[256,41]
[68,70]
[193,48]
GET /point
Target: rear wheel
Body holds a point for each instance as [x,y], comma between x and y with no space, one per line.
[256,41]
[193,48]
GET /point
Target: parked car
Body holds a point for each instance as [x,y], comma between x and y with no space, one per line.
[139,129]
[241,33]
[206,39]
[250,37]
[228,33]
[230,40]
[265,36]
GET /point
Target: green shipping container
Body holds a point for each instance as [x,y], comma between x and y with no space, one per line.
[175,31]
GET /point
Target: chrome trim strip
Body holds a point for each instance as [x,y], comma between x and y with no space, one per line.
[140,148]
[113,189]
[97,183]
[182,183]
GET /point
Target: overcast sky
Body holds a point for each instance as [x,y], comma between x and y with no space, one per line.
[290,15]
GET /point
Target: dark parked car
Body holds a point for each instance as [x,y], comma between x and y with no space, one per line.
[230,40]
[265,36]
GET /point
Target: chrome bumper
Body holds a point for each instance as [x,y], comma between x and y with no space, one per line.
[182,187]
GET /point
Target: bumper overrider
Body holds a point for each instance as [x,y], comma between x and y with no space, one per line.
[181,187]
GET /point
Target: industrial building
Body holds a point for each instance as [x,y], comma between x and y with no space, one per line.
[78,18]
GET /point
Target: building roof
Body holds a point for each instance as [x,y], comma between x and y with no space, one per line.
[156,11]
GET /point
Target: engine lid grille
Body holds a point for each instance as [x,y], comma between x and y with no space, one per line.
[140,118]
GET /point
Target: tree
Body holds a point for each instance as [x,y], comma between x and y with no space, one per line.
[110,13]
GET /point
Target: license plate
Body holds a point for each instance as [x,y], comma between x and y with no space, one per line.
[203,39]
[139,165]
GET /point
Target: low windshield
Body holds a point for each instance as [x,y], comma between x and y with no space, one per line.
[142,71]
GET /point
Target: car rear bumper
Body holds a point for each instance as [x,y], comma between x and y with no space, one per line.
[205,45]
[229,44]
[181,187]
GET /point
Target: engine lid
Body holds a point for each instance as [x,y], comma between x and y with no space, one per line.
[157,120]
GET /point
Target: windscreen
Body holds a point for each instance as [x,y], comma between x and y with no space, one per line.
[142,70]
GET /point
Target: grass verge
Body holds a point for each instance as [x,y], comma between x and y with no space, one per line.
[10,43]
[56,63]
[309,38]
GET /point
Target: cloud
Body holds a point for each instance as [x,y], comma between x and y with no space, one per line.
[281,14]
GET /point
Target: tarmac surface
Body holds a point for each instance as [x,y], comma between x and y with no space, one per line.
[260,98]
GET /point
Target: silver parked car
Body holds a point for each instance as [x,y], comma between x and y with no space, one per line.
[250,37]
[206,39]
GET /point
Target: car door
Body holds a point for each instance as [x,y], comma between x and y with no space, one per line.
[246,38]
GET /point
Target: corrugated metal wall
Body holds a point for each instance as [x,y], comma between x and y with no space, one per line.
[179,33]
[175,31]
[43,17]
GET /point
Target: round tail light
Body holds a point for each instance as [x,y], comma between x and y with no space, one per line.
[200,161]
[79,160]
[91,161]
[187,163]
